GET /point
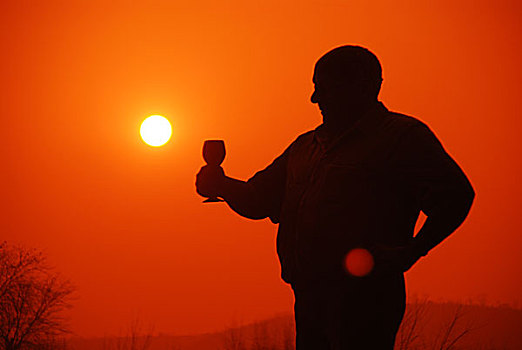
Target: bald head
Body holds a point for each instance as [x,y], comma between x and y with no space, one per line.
[346,79]
[349,67]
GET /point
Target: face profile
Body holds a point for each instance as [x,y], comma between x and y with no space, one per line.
[345,79]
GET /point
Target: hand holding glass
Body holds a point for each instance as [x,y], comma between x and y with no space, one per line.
[214,154]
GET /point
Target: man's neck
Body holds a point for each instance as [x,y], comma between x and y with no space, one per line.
[335,125]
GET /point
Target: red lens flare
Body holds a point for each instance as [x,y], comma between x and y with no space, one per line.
[359,262]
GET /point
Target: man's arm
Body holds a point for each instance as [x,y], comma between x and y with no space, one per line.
[440,187]
[259,197]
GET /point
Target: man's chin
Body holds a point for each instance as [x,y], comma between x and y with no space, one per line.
[324,113]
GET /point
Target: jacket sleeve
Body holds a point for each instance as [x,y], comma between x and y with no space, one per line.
[268,188]
[440,187]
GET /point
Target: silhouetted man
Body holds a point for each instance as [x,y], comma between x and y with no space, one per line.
[359,180]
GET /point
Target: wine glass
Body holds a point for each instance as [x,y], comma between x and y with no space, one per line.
[214,154]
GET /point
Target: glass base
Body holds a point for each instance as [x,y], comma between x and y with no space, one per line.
[213,200]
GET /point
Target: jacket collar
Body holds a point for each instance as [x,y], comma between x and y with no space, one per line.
[364,125]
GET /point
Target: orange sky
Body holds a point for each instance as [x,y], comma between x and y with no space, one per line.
[122,220]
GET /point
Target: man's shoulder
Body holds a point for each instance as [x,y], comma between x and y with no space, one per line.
[304,138]
[411,133]
[403,121]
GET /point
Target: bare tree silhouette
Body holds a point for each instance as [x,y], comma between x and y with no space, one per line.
[275,334]
[32,300]
[408,336]
[288,334]
[234,338]
[52,344]
[451,331]
[261,339]
[450,334]
[135,338]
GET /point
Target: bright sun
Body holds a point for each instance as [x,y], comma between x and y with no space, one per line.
[156,130]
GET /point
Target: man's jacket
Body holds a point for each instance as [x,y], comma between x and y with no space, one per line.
[364,189]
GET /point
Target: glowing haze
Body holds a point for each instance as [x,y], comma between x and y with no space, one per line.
[122,219]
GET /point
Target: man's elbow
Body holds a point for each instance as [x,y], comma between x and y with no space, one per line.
[457,203]
[463,201]
[468,196]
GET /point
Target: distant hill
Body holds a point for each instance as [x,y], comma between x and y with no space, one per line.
[426,326]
